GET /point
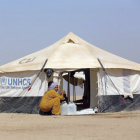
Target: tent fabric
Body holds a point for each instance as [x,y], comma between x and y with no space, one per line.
[15,96]
[115,103]
[20,104]
[127,83]
[68,53]
[17,84]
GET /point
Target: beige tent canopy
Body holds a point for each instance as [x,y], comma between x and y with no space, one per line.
[68,53]
[22,84]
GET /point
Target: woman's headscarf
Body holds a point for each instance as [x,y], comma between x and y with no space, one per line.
[53,85]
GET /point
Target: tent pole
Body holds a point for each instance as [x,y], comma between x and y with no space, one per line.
[74,93]
[68,87]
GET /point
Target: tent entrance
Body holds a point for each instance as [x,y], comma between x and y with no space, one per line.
[77,85]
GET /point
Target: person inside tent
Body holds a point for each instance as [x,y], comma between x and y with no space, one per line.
[50,102]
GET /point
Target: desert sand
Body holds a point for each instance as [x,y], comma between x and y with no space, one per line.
[101,126]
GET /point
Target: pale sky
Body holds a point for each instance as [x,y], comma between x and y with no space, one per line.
[27,26]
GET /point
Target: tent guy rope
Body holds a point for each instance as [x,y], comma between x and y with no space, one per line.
[38,74]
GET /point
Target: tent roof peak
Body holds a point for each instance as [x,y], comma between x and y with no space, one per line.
[71,38]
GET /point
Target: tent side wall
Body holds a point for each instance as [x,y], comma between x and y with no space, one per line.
[115,86]
[15,96]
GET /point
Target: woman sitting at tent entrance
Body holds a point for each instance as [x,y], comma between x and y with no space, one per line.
[50,102]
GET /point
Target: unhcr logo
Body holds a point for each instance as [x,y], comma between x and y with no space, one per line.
[14,83]
[27,60]
[3,81]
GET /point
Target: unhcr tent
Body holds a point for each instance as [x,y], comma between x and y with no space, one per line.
[111,83]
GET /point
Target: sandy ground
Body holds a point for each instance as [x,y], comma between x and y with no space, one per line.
[107,126]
